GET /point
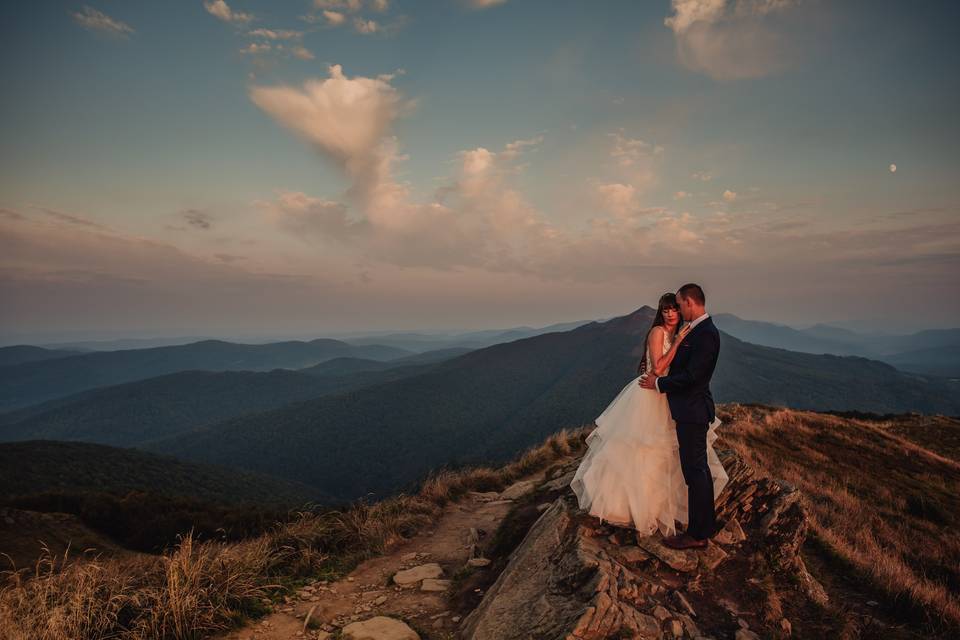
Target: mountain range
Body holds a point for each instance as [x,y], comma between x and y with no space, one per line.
[483,406]
[933,352]
[354,426]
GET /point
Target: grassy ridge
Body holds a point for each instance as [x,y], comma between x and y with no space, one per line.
[885,508]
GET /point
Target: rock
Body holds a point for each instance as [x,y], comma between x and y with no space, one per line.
[379,628]
[478,562]
[745,634]
[661,613]
[632,554]
[675,628]
[680,559]
[569,579]
[712,556]
[485,496]
[690,626]
[542,506]
[732,533]
[473,535]
[407,557]
[409,577]
[785,626]
[518,489]
[559,483]
[434,584]
[380,600]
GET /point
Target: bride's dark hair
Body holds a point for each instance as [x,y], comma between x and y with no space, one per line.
[667,301]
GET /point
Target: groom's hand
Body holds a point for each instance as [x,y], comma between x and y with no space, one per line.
[648,381]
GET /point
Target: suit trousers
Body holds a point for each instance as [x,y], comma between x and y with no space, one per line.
[701,513]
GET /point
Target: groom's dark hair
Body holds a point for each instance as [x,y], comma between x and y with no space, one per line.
[694,292]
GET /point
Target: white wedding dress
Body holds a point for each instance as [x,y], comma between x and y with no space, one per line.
[630,475]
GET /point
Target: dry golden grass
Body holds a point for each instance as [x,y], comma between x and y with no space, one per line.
[883,506]
[200,588]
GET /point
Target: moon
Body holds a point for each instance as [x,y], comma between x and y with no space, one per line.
[893,168]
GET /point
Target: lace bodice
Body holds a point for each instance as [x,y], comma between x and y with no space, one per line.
[666,347]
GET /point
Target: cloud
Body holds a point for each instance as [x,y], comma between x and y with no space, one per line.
[731,39]
[221,10]
[306,217]
[484,4]
[275,34]
[636,161]
[365,26]
[255,48]
[68,217]
[688,12]
[349,5]
[629,151]
[93,20]
[302,53]
[198,219]
[729,196]
[334,18]
[346,120]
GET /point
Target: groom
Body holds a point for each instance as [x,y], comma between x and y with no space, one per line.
[691,405]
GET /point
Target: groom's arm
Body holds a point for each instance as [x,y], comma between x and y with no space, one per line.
[703,357]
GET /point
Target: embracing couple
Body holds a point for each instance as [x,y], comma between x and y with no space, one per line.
[651,461]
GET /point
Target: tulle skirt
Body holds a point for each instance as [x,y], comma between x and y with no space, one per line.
[630,475]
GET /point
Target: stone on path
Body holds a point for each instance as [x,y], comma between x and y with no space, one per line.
[413,575]
[434,584]
[379,628]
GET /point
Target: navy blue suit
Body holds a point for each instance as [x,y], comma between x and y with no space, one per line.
[691,405]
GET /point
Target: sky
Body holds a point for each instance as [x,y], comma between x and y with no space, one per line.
[318,166]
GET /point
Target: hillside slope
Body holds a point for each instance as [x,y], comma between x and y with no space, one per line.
[136,413]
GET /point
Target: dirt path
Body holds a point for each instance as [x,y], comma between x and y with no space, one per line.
[369,590]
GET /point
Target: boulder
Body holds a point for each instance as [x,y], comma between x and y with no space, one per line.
[569,579]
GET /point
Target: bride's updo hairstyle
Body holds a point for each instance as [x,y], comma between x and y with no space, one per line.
[667,301]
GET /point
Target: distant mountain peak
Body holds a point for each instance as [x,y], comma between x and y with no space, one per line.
[636,322]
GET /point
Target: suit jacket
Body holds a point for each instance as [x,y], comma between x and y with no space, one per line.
[688,384]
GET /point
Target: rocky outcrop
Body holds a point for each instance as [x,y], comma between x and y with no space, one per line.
[576,579]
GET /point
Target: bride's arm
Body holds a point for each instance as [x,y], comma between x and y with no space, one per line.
[660,363]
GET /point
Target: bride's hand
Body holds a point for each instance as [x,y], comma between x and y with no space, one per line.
[682,333]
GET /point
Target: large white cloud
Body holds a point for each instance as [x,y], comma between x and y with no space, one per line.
[345,119]
[731,39]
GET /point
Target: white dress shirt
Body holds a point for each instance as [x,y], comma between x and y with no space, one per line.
[693,324]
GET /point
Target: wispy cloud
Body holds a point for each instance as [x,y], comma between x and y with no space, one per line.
[221,10]
[275,34]
[90,18]
[197,219]
[484,4]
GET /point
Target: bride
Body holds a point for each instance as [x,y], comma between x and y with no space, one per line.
[631,476]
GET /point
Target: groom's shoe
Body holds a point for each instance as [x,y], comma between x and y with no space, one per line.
[684,541]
